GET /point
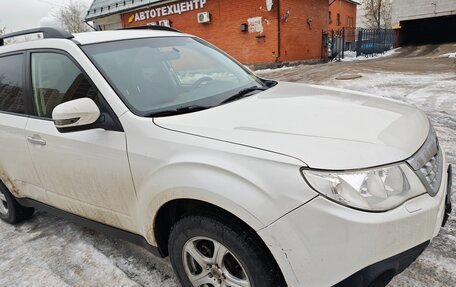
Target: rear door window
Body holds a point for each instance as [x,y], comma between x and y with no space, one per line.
[11,84]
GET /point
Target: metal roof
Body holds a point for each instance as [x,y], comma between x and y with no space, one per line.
[357,2]
[102,8]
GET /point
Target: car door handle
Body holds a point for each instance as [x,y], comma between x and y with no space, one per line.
[36,139]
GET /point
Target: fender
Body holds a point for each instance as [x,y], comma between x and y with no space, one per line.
[228,191]
[245,187]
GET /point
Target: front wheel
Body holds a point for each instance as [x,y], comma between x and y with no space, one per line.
[208,252]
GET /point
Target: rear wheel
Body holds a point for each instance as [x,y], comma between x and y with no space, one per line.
[10,210]
[211,253]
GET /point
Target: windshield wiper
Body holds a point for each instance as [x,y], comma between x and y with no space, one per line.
[243,93]
[178,111]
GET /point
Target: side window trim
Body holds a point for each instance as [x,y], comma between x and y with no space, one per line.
[24,81]
[27,86]
[106,110]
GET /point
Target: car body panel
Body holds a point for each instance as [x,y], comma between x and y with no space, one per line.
[16,168]
[325,128]
[86,173]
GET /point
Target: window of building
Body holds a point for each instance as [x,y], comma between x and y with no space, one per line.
[330,17]
[338,19]
[350,22]
[11,84]
[55,80]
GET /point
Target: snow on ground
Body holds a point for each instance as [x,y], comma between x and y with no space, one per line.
[47,251]
[351,56]
[284,68]
[449,55]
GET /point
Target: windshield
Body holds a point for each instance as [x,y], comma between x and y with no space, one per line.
[153,75]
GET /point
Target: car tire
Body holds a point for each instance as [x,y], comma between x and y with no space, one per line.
[241,258]
[10,210]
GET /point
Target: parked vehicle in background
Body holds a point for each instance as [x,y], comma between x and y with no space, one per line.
[162,139]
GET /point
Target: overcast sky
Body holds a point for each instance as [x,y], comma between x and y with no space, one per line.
[24,14]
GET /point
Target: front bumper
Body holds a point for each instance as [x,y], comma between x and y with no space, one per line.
[323,243]
[381,273]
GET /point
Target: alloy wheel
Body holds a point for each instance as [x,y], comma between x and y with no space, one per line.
[3,204]
[208,263]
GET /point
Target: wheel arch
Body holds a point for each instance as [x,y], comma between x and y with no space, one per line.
[176,209]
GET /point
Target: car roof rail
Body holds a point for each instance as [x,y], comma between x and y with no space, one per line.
[152,27]
[48,33]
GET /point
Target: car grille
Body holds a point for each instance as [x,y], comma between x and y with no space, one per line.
[431,172]
[427,163]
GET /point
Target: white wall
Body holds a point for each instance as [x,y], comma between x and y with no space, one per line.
[110,23]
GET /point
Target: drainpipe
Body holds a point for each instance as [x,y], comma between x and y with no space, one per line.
[278,31]
[93,28]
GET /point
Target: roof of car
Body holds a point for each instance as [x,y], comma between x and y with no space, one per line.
[83,38]
[108,36]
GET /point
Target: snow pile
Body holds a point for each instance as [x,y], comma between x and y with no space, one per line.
[449,55]
[351,55]
[264,71]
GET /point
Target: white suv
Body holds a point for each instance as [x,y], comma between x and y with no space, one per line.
[162,139]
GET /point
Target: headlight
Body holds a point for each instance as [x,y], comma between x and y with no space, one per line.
[377,189]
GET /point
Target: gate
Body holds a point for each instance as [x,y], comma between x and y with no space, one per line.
[371,42]
[359,41]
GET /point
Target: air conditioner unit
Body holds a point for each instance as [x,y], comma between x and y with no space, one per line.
[204,17]
[164,23]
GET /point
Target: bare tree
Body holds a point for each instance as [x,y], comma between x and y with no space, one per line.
[71,16]
[2,30]
[377,13]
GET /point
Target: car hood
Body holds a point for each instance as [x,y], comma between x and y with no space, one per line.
[326,128]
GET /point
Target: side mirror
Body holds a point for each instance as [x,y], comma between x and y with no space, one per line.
[76,113]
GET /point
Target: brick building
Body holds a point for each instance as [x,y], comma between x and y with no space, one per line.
[252,31]
[342,13]
[342,21]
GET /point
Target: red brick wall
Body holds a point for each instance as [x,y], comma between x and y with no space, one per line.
[301,41]
[298,40]
[345,9]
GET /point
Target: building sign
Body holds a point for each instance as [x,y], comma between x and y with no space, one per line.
[255,25]
[167,10]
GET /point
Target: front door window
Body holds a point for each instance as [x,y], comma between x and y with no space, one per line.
[55,80]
